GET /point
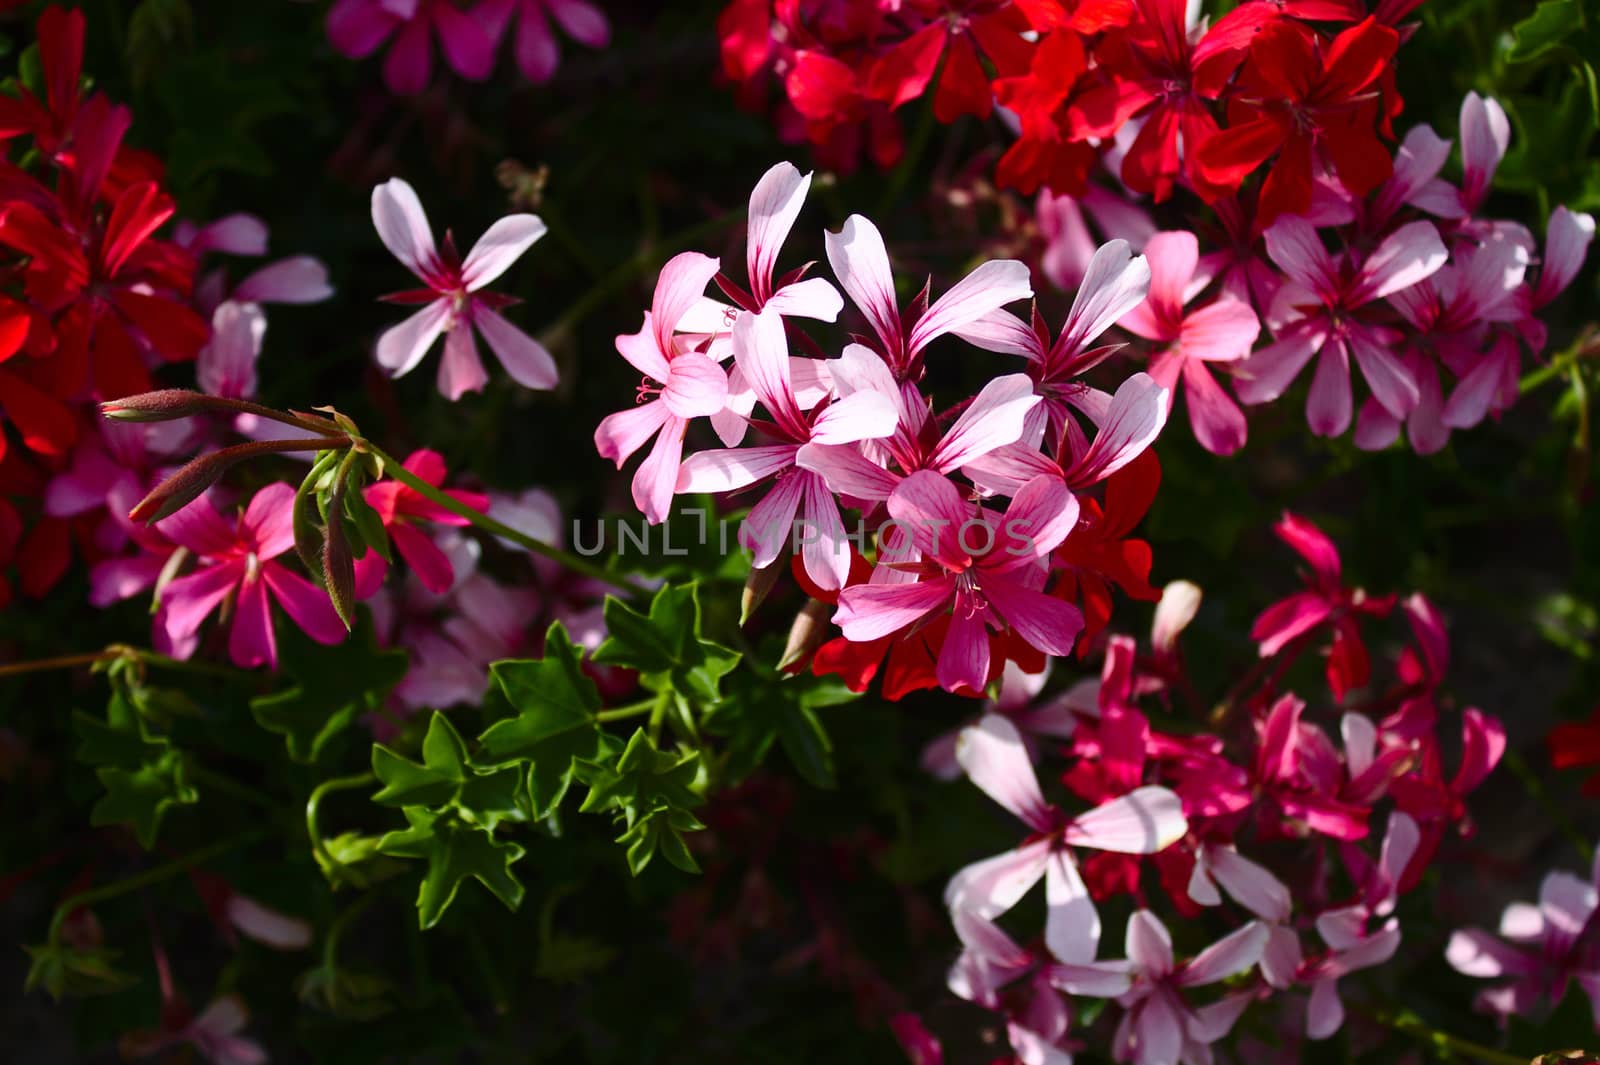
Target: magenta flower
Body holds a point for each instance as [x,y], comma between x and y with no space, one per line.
[1324,311]
[237,565]
[214,1032]
[1222,331]
[534,44]
[989,570]
[1143,821]
[1566,243]
[679,384]
[1540,949]
[296,279]
[762,356]
[357,28]
[455,304]
[400,507]
[1351,947]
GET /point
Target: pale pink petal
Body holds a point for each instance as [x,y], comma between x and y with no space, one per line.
[988,288]
[934,512]
[823,548]
[1005,470]
[1232,954]
[1148,944]
[1116,282]
[1179,603]
[657,477]
[1325,1012]
[696,386]
[1004,332]
[1144,821]
[1210,1023]
[993,419]
[1072,924]
[297,279]
[401,347]
[813,297]
[402,225]
[861,264]
[1420,157]
[305,603]
[774,205]
[680,286]
[862,416]
[1376,428]
[1485,135]
[995,759]
[619,435]
[847,471]
[642,351]
[116,579]
[761,352]
[582,21]
[1566,242]
[251,641]
[1328,405]
[460,371]
[1567,904]
[1219,332]
[1252,885]
[187,601]
[1408,255]
[238,233]
[522,357]
[1219,425]
[1095,979]
[1135,418]
[223,1016]
[268,926]
[500,246]
[1474,952]
[1173,256]
[769,527]
[870,611]
[989,888]
[727,469]
[1294,246]
[1280,961]
[1158,1030]
[1268,373]
[1391,382]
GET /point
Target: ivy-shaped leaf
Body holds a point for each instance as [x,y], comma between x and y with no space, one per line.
[666,645]
[765,708]
[642,780]
[62,970]
[434,782]
[454,849]
[661,829]
[140,797]
[1552,25]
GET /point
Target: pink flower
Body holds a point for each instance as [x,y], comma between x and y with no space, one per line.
[1540,948]
[1566,243]
[214,1032]
[296,279]
[1143,821]
[454,301]
[989,570]
[1326,602]
[861,263]
[1222,331]
[1159,1027]
[535,42]
[1323,309]
[1069,247]
[237,563]
[679,384]
[1351,946]
[762,356]
[400,508]
[357,28]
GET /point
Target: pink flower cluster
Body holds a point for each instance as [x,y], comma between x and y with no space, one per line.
[1289,829]
[1433,303]
[959,585]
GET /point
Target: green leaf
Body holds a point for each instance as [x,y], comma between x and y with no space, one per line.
[1552,25]
[661,829]
[641,781]
[101,744]
[555,723]
[333,686]
[140,797]
[666,645]
[764,708]
[454,850]
[436,781]
[61,970]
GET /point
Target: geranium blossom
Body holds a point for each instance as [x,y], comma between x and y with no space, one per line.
[357,28]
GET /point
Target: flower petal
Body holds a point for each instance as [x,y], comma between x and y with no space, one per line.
[501,245]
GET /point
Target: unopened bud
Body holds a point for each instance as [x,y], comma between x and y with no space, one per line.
[165,405]
[338,567]
[756,587]
[184,486]
[809,632]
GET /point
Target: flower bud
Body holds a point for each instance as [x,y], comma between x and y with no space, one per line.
[809,632]
[164,405]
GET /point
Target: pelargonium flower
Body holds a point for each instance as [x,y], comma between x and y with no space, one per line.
[214,1032]
[357,28]
[400,507]
[237,565]
[534,43]
[455,303]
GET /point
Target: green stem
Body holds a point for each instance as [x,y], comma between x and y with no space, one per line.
[1445,1045]
[1558,364]
[621,713]
[146,878]
[320,849]
[575,563]
[87,658]
[111,654]
[336,931]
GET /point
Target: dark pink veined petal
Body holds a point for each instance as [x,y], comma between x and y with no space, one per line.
[769,528]
[1044,622]
[402,346]
[1144,821]
[857,417]
[1410,254]
[1041,515]
[1234,953]
[870,611]
[995,418]
[656,479]
[1475,392]
[1391,381]
[1116,282]
[1072,927]
[1483,742]
[268,522]
[501,245]
[994,758]
[989,888]
[201,529]
[251,641]
[1219,425]
[823,548]
[1005,470]
[933,510]
[1328,404]
[1313,545]
[861,264]
[187,601]
[642,351]
[1485,136]
[619,435]
[988,288]
[1269,372]
[680,286]
[426,465]
[1135,418]
[729,469]
[696,386]
[297,279]
[1278,754]
[431,565]
[761,352]
[468,47]
[461,370]
[583,21]
[847,471]
[1149,945]
[1294,246]
[1219,332]
[402,225]
[964,656]
[774,205]
[1487,281]
[1283,621]
[1003,332]
[305,603]
[355,29]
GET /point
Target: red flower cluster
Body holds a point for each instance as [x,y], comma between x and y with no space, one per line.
[1287,87]
[90,300]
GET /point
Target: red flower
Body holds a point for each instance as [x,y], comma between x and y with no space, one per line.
[1299,99]
[1099,554]
[957,31]
[1577,744]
